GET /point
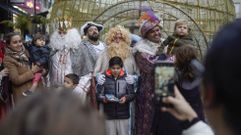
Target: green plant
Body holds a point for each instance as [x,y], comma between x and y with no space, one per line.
[22,22]
[7,23]
[39,19]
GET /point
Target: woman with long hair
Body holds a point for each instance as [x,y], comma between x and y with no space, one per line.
[16,59]
[188,77]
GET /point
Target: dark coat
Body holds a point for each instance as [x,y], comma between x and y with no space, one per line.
[119,88]
[191,89]
[174,42]
[39,55]
[5,87]
[165,123]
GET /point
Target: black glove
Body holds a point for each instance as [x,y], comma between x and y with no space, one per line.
[169,40]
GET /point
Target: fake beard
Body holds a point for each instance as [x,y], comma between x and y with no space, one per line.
[120,49]
[70,40]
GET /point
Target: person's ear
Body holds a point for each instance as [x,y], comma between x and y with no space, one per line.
[208,94]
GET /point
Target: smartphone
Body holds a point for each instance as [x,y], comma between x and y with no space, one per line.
[164,80]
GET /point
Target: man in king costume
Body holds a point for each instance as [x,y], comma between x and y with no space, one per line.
[63,42]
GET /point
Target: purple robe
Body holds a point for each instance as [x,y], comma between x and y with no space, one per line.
[145,94]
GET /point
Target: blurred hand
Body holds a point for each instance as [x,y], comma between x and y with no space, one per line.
[44,72]
[105,100]
[4,72]
[122,100]
[165,49]
[181,109]
[100,78]
[130,79]
[35,68]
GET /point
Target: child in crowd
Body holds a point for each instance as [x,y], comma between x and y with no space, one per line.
[188,77]
[180,37]
[116,95]
[71,81]
[39,55]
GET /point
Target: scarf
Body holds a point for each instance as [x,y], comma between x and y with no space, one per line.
[20,56]
[146,46]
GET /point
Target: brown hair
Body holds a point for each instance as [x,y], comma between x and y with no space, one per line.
[38,36]
[53,113]
[73,77]
[184,55]
[9,36]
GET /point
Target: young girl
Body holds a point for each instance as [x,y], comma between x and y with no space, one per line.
[180,37]
[39,55]
[116,95]
[188,77]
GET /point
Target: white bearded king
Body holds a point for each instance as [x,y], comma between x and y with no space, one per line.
[62,42]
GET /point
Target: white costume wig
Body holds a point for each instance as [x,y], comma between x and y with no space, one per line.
[70,40]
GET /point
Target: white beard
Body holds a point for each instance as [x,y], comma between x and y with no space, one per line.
[69,41]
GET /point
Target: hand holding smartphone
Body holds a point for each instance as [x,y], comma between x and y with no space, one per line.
[164,81]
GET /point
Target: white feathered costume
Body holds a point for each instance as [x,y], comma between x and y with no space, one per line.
[60,62]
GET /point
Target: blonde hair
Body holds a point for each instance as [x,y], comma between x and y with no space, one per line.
[110,36]
[121,49]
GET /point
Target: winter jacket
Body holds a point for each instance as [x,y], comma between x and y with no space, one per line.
[174,42]
[39,55]
[119,88]
[20,75]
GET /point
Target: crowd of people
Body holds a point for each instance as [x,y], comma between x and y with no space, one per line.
[76,78]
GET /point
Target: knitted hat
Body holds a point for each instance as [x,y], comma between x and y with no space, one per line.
[87,25]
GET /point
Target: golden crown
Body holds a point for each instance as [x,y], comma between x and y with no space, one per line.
[63,23]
